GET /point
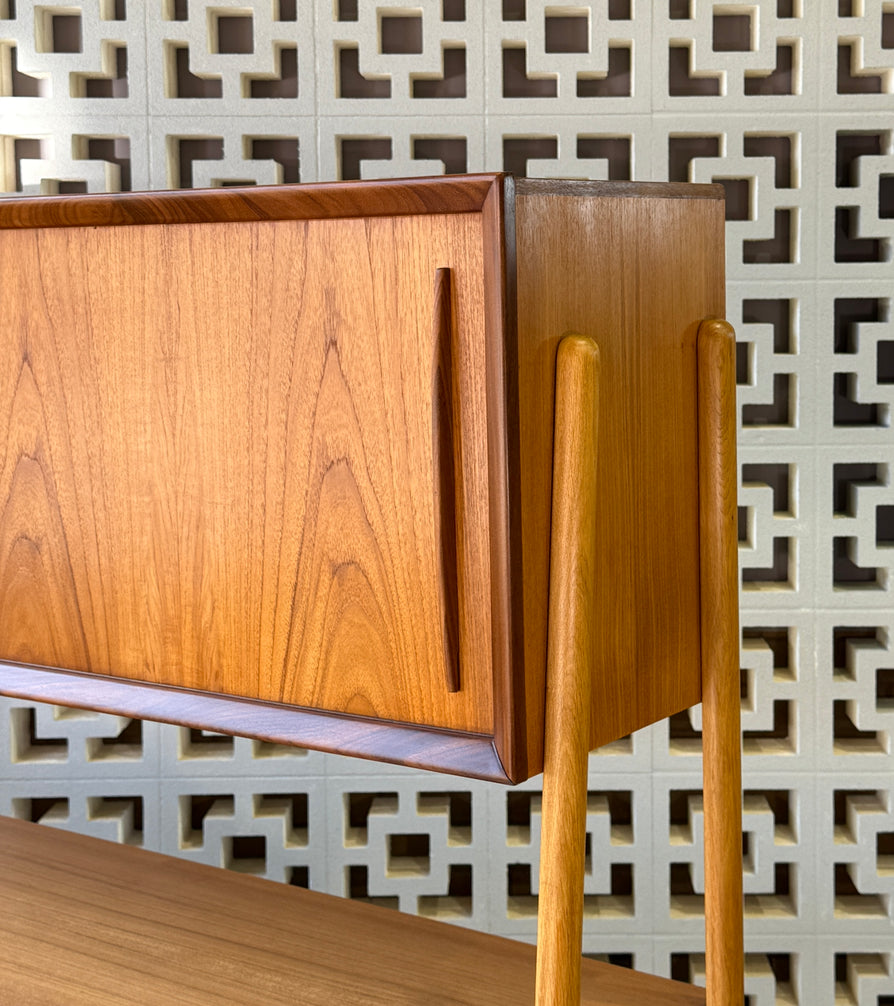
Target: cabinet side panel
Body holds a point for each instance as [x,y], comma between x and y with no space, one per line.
[217,465]
[638,274]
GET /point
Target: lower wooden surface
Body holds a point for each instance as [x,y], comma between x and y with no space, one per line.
[86,921]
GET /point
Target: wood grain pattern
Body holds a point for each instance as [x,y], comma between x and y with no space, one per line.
[90,922]
[570,672]
[392,197]
[637,274]
[218,466]
[721,736]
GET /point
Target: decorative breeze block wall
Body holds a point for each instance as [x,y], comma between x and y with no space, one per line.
[790,105]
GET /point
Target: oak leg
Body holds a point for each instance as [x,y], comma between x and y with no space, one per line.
[720,664]
[569,673]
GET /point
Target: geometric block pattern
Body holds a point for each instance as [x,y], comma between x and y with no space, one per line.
[790,105]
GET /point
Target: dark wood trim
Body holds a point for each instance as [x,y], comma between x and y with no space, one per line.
[502,409]
[616,190]
[447,456]
[457,753]
[392,197]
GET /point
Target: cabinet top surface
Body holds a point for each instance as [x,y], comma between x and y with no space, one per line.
[391,197]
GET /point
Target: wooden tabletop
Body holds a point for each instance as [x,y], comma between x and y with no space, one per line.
[87,921]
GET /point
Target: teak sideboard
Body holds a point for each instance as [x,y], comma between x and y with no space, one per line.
[292,463]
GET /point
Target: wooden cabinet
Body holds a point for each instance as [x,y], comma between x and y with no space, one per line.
[291,449]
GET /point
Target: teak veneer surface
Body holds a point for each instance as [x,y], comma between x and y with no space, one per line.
[219,460]
[90,922]
[636,269]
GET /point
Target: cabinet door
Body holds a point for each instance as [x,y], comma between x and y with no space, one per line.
[221,468]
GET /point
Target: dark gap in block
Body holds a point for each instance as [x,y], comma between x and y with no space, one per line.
[619,10]
[70,188]
[777,147]
[849,314]
[843,639]
[199,806]
[678,10]
[453,10]
[848,83]
[451,150]
[742,524]
[738,197]
[39,807]
[776,413]
[845,8]
[884,686]
[743,362]
[359,806]
[347,10]
[844,477]
[283,150]
[885,361]
[188,85]
[884,525]
[849,245]
[845,572]
[886,197]
[518,880]
[679,82]
[681,881]
[844,728]
[732,33]
[785,8]
[66,33]
[286,85]
[22,85]
[777,249]
[299,876]
[358,889]
[777,573]
[296,807]
[114,87]
[621,880]
[888,29]
[115,150]
[131,734]
[517,84]
[287,10]
[846,410]
[777,639]
[178,10]
[119,11]
[60,744]
[459,880]
[614,149]
[409,846]
[353,151]
[204,149]
[771,311]
[136,808]
[777,477]
[514,10]
[849,148]
[884,843]
[782,880]
[518,809]
[780,80]
[351,83]
[517,151]
[618,81]
[681,968]
[453,82]
[780,729]
[235,33]
[619,960]
[682,150]
[680,806]
[400,35]
[620,806]
[679,727]
[567,34]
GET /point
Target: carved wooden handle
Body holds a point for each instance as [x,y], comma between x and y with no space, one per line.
[447,470]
